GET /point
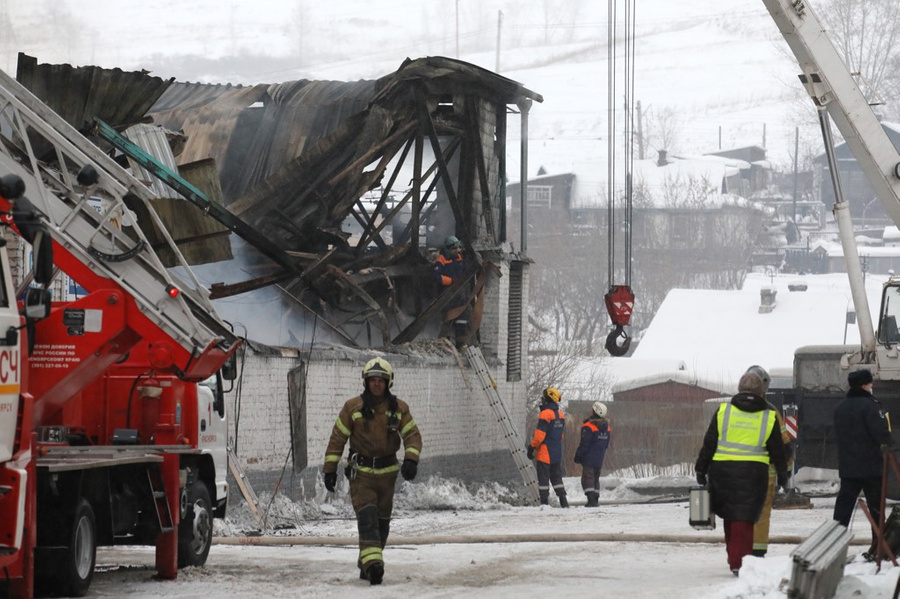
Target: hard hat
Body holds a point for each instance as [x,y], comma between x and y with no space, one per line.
[599,409]
[451,242]
[552,393]
[379,367]
[761,373]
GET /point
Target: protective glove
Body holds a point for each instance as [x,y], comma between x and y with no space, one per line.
[530,452]
[783,480]
[330,479]
[701,478]
[409,469]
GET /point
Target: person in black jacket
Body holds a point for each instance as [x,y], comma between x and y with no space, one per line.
[743,438]
[863,430]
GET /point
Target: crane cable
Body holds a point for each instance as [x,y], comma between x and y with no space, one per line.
[620,298]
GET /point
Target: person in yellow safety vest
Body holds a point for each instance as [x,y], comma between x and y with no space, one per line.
[761,528]
[741,441]
[375,423]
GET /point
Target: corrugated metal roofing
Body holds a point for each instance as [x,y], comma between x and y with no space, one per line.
[78,94]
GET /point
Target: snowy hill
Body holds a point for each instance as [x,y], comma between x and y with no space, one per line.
[713,75]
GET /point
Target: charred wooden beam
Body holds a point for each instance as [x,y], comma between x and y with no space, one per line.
[367,299]
[428,126]
[481,167]
[220,290]
[415,327]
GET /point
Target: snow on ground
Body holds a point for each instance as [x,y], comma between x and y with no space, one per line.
[448,540]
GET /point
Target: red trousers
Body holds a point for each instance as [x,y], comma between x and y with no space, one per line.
[738,541]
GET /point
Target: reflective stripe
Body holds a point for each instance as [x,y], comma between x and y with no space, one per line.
[332,458]
[343,429]
[742,435]
[369,554]
[366,469]
[406,429]
[412,450]
[356,415]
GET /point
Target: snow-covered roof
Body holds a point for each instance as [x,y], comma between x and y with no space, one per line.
[718,334]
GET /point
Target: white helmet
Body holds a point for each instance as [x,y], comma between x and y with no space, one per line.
[599,409]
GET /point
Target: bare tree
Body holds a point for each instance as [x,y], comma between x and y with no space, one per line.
[867,34]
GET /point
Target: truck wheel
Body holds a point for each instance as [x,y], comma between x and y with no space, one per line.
[78,569]
[195,530]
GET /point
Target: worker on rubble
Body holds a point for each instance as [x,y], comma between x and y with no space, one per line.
[375,423]
[449,268]
[546,447]
[761,528]
[740,443]
[591,451]
[863,430]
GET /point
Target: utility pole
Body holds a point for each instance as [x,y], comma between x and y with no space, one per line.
[457,29]
[640,131]
[499,24]
[796,173]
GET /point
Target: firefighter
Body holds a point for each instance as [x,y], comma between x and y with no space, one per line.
[546,447]
[450,267]
[740,443]
[375,423]
[761,528]
[591,451]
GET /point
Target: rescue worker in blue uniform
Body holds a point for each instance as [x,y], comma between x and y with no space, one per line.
[863,431]
[375,423]
[546,447]
[595,437]
[743,438]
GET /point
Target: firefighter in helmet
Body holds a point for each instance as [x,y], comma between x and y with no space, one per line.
[761,528]
[376,423]
[546,447]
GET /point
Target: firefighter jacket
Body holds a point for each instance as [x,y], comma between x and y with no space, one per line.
[595,435]
[743,437]
[548,435]
[862,426]
[374,438]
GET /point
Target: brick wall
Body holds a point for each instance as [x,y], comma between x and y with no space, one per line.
[461,436]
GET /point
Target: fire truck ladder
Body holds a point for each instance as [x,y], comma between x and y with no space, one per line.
[47,152]
[513,440]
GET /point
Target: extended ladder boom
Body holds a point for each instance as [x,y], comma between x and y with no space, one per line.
[97,248]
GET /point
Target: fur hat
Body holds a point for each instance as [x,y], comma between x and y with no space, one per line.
[858,378]
[752,383]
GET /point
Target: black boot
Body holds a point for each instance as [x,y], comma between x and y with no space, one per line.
[563,501]
[545,497]
[376,573]
[593,500]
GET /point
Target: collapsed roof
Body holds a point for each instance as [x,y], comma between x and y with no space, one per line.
[351,181]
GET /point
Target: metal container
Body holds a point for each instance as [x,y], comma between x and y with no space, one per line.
[701,517]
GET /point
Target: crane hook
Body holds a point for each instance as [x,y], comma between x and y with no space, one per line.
[612,345]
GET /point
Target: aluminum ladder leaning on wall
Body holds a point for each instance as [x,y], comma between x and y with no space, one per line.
[513,440]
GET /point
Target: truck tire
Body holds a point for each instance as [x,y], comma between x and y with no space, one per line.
[195,530]
[81,555]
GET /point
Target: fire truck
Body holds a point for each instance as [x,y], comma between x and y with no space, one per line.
[112,406]
[820,372]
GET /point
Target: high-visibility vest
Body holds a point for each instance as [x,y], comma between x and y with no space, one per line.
[742,435]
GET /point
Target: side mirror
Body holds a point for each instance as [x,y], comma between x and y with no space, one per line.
[37,303]
[229,369]
[42,249]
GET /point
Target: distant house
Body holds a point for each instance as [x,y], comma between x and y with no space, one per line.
[857,191]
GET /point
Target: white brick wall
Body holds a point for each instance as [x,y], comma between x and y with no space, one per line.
[445,399]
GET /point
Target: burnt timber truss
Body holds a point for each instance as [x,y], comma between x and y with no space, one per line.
[294,174]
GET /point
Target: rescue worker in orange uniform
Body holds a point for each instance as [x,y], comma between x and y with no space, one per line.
[761,528]
[450,267]
[546,447]
[375,423]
